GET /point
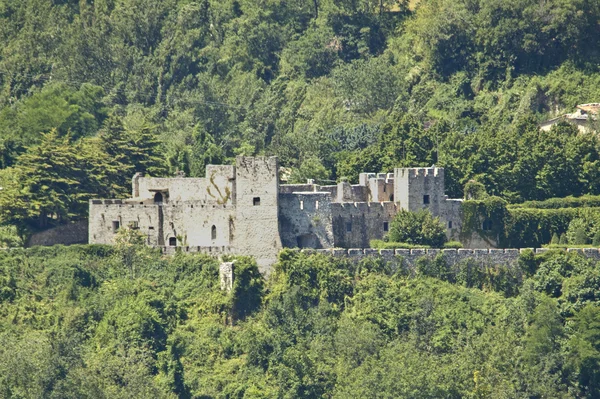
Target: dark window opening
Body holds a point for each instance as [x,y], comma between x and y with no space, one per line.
[384,187]
[115,226]
[173,241]
[158,198]
[426,199]
[392,198]
[487,225]
[349,226]
[386,226]
[213,233]
[151,228]
[450,224]
[256,201]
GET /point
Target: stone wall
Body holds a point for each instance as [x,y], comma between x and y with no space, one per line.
[217,186]
[72,233]
[107,216]
[355,224]
[453,256]
[305,220]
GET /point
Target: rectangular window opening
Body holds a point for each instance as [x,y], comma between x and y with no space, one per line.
[316,204]
[450,224]
[115,226]
[256,201]
[301,204]
[426,199]
[349,226]
[386,226]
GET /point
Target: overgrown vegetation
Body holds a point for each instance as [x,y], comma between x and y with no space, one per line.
[124,322]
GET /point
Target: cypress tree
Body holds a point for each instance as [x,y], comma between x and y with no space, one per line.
[596,239]
[563,239]
[555,239]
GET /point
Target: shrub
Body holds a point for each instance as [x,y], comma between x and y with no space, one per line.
[596,239]
[419,228]
[577,232]
[555,239]
[453,245]
[563,239]
[475,191]
[380,244]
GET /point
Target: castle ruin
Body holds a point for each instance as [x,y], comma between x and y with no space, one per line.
[243,209]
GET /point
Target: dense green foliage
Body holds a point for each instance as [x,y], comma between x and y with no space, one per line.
[124,322]
[333,87]
[417,228]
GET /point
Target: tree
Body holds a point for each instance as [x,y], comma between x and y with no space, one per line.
[51,184]
[419,228]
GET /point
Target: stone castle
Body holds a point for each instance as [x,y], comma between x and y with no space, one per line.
[243,209]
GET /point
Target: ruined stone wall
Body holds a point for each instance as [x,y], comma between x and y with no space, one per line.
[451,215]
[189,224]
[107,216]
[72,233]
[355,224]
[257,209]
[305,220]
[381,188]
[196,223]
[217,186]
[292,188]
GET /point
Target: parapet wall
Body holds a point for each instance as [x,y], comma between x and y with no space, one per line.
[453,256]
[214,251]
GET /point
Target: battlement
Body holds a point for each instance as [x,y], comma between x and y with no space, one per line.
[214,251]
[353,208]
[409,257]
[420,172]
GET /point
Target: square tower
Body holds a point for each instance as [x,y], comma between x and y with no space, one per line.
[420,188]
[256,229]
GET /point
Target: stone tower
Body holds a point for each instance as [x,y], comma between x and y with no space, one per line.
[420,188]
[256,228]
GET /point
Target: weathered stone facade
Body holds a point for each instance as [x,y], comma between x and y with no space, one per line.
[243,209]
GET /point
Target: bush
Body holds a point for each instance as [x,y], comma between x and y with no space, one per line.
[419,228]
[453,245]
[563,239]
[475,191]
[380,244]
[578,232]
[555,239]
[586,201]
[596,239]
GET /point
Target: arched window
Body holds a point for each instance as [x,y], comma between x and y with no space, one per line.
[158,198]
[213,233]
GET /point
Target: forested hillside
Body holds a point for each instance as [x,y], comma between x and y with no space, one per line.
[123,322]
[333,87]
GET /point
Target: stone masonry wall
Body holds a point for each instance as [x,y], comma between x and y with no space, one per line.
[72,233]
[453,256]
[355,224]
[305,220]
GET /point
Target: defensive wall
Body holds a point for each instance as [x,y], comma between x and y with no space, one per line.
[409,256]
